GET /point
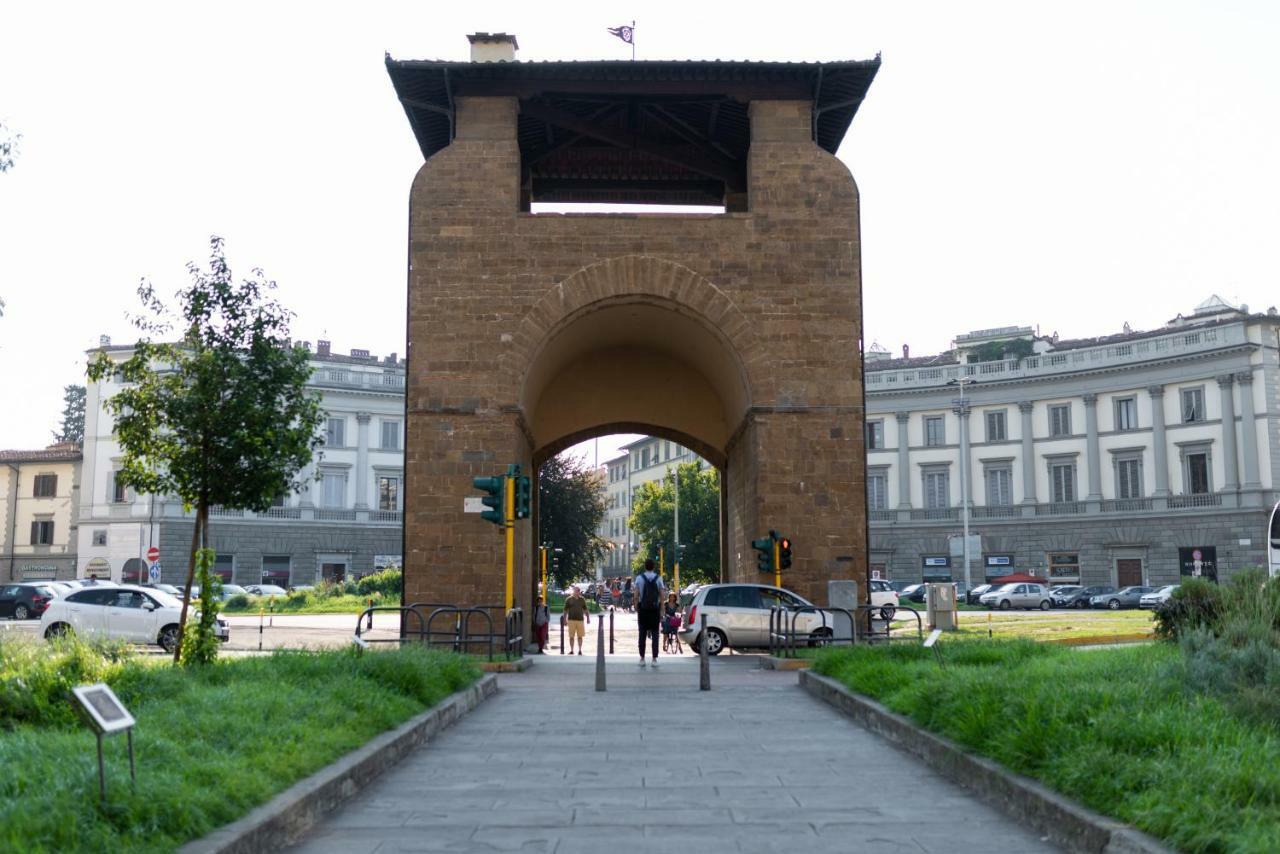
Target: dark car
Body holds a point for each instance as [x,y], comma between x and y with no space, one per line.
[900,585]
[913,593]
[1080,598]
[974,595]
[1126,597]
[25,601]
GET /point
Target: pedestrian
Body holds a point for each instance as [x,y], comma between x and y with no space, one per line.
[604,597]
[649,590]
[626,595]
[541,625]
[575,613]
[671,624]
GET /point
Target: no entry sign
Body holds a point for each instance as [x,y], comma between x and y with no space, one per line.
[153,554]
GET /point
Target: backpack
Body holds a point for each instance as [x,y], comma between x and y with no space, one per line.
[649,596]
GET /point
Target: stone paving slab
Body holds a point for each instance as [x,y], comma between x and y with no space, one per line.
[754,765]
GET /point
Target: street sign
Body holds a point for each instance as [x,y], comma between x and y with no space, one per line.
[153,554]
[155,572]
[473,504]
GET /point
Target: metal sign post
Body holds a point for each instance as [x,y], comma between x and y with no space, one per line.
[102,710]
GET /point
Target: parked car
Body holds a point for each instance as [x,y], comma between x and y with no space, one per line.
[738,616]
[884,597]
[974,596]
[25,601]
[1125,597]
[61,588]
[265,590]
[912,593]
[1157,597]
[229,590]
[126,612]
[900,585]
[171,590]
[1079,598]
[1062,591]
[1018,595]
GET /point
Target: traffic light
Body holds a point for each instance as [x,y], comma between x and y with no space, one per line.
[495,487]
[524,496]
[764,560]
[784,553]
[680,547]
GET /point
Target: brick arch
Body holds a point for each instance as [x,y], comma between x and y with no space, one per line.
[635,277]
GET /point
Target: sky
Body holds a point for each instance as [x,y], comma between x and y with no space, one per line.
[1067,166]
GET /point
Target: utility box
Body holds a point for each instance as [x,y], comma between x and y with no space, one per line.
[941,606]
[842,594]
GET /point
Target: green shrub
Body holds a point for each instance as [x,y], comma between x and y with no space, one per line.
[239,602]
[1197,603]
[36,678]
[386,582]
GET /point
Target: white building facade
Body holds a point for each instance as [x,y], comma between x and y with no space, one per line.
[347,522]
[1134,458]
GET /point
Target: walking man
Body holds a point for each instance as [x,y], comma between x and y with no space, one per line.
[575,613]
[648,591]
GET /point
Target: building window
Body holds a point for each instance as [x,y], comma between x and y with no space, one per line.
[335,489]
[119,492]
[275,570]
[999,486]
[388,493]
[46,486]
[100,538]
[335,432]
[1197,474]
[1192,405]
[644,458]
[42,533]
[1126,413]
[390,435]
[1064,566]
[1060,419]
[935,433]
[995,426]
[937,489]
[1062,480]
[224,567]
[877,490]
[875,435]
[1129,477]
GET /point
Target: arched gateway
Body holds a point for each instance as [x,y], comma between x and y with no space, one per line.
[737,333]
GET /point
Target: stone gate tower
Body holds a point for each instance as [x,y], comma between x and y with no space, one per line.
[736,333]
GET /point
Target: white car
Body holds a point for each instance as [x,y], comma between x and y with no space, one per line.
[883,596]
[1157,597]
[738,616]
[125,612]
[265,590]
[1017,596]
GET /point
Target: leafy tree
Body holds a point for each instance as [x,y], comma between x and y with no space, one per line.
[72,415]
[222,416]
[653,521]
[571,506]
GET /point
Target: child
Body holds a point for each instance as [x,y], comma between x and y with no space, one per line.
[671,624]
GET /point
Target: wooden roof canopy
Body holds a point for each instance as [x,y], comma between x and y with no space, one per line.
[650,132]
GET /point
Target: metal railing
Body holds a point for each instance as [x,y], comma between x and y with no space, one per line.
[783,634]
[465,629]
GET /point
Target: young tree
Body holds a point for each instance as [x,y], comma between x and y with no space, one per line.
[653,521]
[72,415]
[571,506]
[222,416]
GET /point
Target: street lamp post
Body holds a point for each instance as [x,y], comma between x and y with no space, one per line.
[963,381]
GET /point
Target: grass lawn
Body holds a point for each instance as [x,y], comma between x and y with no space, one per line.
[300,604]
[212,743]
[1115,729]
[1056,625]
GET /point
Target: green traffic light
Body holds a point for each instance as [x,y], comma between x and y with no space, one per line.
[494,487]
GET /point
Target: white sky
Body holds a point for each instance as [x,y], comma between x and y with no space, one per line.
[1068,165]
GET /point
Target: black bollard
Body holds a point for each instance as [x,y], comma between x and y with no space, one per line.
[600,657]
[704,665]
[611,631]
[562,634]
[369,627]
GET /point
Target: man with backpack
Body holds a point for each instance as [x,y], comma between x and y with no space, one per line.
[648,590]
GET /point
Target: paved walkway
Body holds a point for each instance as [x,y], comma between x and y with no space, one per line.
[755,765]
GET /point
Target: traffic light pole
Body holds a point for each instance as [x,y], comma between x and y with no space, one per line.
[546,595]
[509,522]
[777,565]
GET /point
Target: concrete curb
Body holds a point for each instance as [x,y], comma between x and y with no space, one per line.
[520,665]
[1032,804]
[773,662]
[283,820]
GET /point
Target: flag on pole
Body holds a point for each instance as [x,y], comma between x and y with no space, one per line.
[627,34]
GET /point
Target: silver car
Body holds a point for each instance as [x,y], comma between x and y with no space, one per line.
[738,616]
[1157,597]
[1017,596]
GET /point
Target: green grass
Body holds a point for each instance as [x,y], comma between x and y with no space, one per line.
[212,742]
[1115,729]
[305,602]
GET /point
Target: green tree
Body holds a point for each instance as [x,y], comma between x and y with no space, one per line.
[571,506]
[72,415]
[653,521]
[222,416]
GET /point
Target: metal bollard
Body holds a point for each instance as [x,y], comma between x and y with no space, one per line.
[369,627]
[260,618]
[611,630]
[704,664]
[600,657]
[562,633]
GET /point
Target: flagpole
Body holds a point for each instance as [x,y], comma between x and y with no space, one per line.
[633,41]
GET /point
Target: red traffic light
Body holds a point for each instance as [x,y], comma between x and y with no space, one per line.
[786,544]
